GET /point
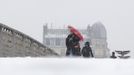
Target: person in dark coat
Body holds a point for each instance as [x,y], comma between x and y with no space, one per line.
[69,41]
[87,51]
[76,46]
[72,44]
[113,55]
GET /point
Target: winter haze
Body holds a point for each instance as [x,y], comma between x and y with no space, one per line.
[29,16]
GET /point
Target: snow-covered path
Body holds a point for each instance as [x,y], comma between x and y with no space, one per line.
[65,66]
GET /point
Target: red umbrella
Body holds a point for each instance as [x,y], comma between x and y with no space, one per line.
[76,32]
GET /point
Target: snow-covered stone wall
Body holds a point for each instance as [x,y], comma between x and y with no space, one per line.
[16,44]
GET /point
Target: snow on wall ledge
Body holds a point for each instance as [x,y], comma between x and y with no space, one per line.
[66,66]
[16,44]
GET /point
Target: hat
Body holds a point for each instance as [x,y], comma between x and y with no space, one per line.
[87,43]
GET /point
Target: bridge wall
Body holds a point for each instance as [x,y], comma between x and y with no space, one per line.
[16,44]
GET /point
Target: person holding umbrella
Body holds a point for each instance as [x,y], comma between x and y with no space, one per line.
[72,42]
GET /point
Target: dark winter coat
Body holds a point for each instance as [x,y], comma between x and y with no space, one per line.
[69,40]
[87,51]
[72,43]
[72,40]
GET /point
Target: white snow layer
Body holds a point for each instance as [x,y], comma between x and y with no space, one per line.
[66,66]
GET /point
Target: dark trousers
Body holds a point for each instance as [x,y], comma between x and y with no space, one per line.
[73,51]
[69,51]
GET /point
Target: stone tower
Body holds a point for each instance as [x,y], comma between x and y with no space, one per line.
[99,40]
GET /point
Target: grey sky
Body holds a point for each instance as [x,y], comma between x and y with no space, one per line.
[28,16]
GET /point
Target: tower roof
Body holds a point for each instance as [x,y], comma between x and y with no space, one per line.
[98,30]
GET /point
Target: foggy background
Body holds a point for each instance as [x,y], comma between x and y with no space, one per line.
[29,16]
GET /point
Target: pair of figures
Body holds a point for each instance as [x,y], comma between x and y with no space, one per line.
[73,47]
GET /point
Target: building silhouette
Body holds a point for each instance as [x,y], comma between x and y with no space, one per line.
[95,34]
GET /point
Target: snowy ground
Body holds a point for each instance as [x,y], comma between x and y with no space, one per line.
[66,66]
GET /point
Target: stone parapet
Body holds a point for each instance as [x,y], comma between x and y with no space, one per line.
[16,44]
